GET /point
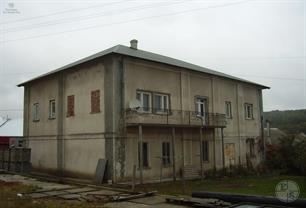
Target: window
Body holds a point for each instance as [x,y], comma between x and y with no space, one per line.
[166,153]
[248,111]
[205,151]
[145,154]
[145,100]
[251,147]
[20,143]
[35,112]
[95,101]
[51,109]
[70,105]
[228,109]
[161,103]
[201,106]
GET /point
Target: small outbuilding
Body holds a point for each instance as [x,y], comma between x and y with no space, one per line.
[11,132]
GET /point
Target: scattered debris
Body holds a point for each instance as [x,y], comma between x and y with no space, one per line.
[196,202]
[133,196]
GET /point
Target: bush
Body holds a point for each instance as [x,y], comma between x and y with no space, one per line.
[288,157]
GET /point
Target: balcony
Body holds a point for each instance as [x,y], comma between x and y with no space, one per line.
[148,116]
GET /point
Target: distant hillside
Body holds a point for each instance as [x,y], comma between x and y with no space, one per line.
[290,121]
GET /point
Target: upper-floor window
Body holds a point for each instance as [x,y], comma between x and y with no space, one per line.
[248,110]
[161,103]
[70,105]
[95,101]
[36,112]
[228,109]
[145,100]
[166,153]
[201,106]
[52,109]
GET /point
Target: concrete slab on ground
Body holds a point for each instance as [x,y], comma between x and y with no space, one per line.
[124,205]
[70,196]
[80,190]
[102,192]
[37,195]
[55,193]
[153,200]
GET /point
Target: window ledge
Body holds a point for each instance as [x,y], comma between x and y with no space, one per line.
[36,120]
[144,168]
[51,118]
[95,112]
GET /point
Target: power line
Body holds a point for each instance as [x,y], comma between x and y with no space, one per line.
[85,17]
[127,21]
[61,12]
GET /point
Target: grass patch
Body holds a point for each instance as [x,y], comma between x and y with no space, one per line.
[9,199]
[263,185]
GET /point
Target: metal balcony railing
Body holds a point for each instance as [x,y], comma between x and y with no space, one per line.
[174,117]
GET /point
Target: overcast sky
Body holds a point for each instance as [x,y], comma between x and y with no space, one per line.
[262,41]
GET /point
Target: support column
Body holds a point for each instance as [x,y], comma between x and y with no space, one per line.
[201,152]
[214,148]
[60,118]
[223,156]
[183,162]
[140,153]
[173,154]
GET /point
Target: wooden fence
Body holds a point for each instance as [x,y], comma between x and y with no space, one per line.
[15,159]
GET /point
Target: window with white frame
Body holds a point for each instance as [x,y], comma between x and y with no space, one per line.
[248,109]
[166,153]
[228,109]
[145,100]
[35,112]
[52,109]
[201,106]
[161,103]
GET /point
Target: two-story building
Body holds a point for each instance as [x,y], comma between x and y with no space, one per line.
[141,111]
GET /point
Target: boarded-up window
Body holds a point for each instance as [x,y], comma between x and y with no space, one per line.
[70,105]
[95,101]
[230,154]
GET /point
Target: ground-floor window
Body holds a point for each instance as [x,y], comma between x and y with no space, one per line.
[166,153]
[251,147]
[205,150]
[145,154]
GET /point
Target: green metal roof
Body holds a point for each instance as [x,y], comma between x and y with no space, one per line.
[124,50]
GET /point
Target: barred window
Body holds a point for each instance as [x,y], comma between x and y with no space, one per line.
[70,105]
[95,101]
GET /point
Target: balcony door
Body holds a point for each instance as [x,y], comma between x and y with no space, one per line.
[201,106]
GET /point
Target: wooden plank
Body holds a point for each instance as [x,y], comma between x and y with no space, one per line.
[100,170]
